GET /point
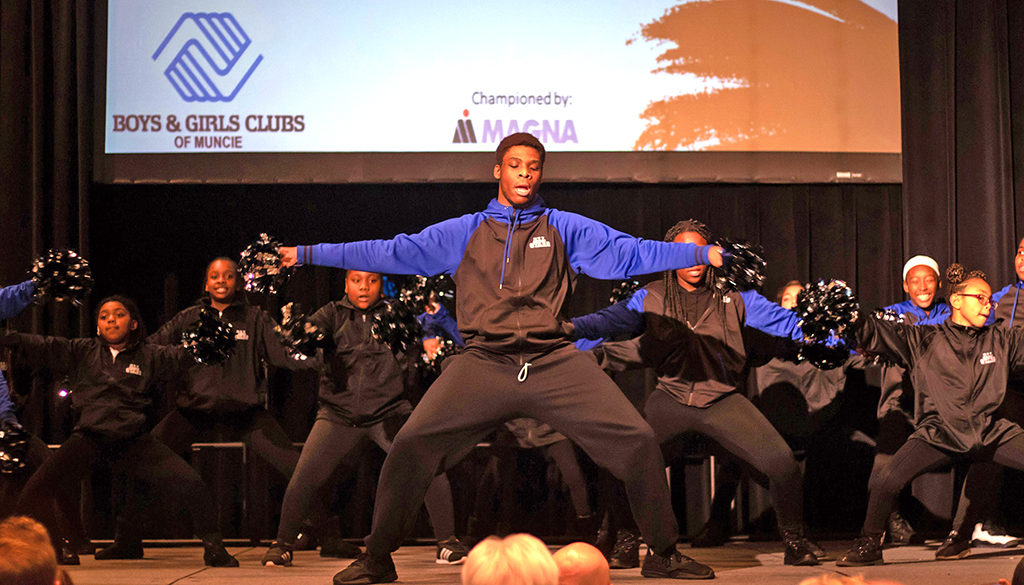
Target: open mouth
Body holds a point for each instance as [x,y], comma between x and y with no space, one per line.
[522,190]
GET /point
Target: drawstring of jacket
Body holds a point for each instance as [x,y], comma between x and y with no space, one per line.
[513,222]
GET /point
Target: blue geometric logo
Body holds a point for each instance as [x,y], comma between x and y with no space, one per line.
[206,66]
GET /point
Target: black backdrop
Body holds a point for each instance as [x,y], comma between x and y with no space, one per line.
[962,196]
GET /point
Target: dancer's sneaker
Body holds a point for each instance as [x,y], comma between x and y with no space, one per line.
[798,549]
[712,534]
[278,555]
[66,553]
[866,550]
[368,569]
[674,566]
[451,552]
[215,555]
[626,554]
[899,530]
[338,548]
[954,547]
[991,534]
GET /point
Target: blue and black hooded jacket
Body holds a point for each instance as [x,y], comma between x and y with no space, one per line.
[514,268]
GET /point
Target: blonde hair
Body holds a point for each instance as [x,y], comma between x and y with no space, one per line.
[518,559]
[580,563]
[26,556]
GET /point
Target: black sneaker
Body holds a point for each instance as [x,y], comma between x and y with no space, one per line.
[626,554]
[368,569]
[866,550]
[278,555]
[121,549]
[451,552]
[66,554]
[675,566]
[954,547]
[336,547]
[899,530]
[819,553]
[712,534]
[215,555]
[798,549]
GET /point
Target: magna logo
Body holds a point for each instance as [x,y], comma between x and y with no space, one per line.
[547,131]
[206,63]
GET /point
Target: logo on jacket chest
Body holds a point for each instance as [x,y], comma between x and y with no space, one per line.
[241,335]
[987,358]
[540,242]
[133,369]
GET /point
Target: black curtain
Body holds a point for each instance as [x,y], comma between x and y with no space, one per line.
[962,86]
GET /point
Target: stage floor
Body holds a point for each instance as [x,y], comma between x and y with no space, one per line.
[738,562]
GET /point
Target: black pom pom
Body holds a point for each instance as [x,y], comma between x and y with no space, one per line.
[824,357]
[210,340]
[887,315]
[744,271]
[395,325]
[418,293]
[260,266]
[827,310]
[62,275]
[13,448]
[431,364]
[623,291]
[300,336]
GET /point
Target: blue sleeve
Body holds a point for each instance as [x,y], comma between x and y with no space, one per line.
[435,250]
[601,252]
[441,324]
[623,319]
[14,299]
[996,297]
[6,405]
[770,318]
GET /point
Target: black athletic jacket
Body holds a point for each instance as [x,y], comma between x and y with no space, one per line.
[110,395]
[362,382]
[239,383]
[960,374]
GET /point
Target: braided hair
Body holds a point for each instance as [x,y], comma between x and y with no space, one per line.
[673,290]
[957,276]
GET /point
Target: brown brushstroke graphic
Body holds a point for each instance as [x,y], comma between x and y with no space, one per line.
[809,83]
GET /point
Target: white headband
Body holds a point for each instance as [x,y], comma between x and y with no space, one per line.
[920,260]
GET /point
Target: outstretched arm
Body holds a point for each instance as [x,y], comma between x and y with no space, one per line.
[15,298]
[623,319]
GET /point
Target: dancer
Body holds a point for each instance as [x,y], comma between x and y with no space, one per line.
[223,399]
[112,377]
[960,369]
[514,266]
[693,337]
[361,398]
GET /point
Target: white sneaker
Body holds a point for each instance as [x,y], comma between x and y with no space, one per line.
[992,536]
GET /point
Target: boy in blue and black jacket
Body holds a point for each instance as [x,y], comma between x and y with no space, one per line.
[514,265]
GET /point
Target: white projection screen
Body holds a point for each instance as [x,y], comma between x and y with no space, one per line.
[403,90]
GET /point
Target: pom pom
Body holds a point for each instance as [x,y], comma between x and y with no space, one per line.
[260,266]
[13,448]
[210,340]
[827,310]
[744,271]
[430,363]
[418,293]
[823,356]
[395,325]
[62,275]
[887,315]
[300,336]
[623,291]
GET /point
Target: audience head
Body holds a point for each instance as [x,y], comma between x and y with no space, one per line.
[26,555]
[580,563]
[518,559]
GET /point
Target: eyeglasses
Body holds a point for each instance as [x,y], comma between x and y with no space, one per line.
[983,299]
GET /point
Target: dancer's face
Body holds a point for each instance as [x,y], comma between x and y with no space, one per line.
[691,278]
[972,305]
